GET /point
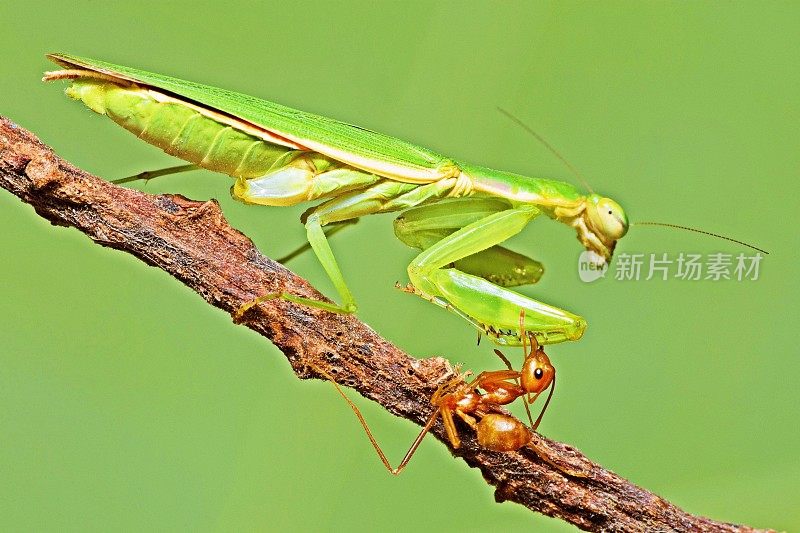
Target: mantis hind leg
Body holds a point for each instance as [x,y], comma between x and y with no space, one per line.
[494,309]
[151,174]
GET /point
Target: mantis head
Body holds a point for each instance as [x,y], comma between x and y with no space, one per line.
[602,224]
[600,221]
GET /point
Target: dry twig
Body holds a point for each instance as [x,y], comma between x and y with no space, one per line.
[193,242]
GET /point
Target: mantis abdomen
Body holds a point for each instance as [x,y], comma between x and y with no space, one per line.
[179,129]
[268,173]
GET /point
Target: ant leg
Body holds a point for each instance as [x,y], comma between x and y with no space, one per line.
[450,386]
[503,357]
[373,441]
[487,376]
[470,420]
[450,427]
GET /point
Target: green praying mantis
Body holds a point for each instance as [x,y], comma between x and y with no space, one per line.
[455,212]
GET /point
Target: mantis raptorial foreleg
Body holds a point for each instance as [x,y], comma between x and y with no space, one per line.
[495,308]
[423,227]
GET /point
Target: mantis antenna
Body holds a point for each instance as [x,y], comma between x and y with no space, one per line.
[687,228]
[580,177]
[547,145]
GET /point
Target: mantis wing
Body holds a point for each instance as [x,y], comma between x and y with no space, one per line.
[358,147]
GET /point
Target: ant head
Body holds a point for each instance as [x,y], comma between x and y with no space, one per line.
[537,371]
[605,223]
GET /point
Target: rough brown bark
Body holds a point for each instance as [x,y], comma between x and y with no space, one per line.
[193,242]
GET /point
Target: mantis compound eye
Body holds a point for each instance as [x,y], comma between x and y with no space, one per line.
[609,219]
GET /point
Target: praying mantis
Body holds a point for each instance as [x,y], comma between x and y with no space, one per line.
[458,214]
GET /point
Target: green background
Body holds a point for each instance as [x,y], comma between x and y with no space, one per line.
[127,403]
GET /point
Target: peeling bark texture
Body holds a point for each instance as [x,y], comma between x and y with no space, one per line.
[193,242]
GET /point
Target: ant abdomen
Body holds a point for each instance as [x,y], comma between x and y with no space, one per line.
[502,433]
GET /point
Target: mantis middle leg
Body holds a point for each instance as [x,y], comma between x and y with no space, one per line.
[383,196]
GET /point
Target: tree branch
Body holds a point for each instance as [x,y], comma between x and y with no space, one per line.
[193,242]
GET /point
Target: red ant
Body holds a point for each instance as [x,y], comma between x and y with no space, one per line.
[496,432]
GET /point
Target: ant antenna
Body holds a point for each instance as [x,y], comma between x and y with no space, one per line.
[547,145]
[687,228]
